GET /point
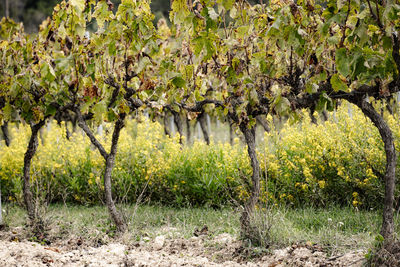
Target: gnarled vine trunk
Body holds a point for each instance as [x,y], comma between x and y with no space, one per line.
[178,123]
[203,125]
[110,162]
[109,165]
[263,122]
[250,139]
[6,134]
[165,122]
[188,132]
[231,131]
[30,152]
[390,173]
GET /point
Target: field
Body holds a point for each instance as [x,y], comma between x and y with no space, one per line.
[104,109]
[339,236]
[172,191]
[169,191]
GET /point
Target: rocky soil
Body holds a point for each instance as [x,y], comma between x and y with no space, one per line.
[203,250]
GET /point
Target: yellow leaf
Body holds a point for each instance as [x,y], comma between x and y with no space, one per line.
[3,44]
[78,4]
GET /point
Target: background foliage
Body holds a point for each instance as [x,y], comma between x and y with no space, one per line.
[33,12]
[340,161]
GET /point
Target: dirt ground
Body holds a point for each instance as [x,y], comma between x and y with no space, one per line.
[222,250]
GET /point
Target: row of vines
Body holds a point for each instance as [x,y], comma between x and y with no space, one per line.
[302,165]
[237,60]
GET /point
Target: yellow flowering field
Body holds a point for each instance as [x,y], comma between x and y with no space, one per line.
[148,163]
[339,161]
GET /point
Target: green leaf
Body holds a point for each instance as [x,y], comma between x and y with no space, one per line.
[63,63]
[179,11]
[340,3]
[357,64]
[99,110]
[373,28]
[178,82]
[311,87]
[143,95]
[228,4]
[101,13]
[175,108]
[295,39]
[111,115]
[242,31]
[231,76]
[325,29]
[112,48]
[387,43]
[80,31]
[143,63]
[362,33]
[210,49]
[91,69]
[233,13]
[334,40]
[338,84]
[198,45]
[62,32]
[7,112]
[342,62]
[50,110]
[254,96]
[281,104]
[198,96]
[391,12]
[189,70]
[322,102]
[47,72]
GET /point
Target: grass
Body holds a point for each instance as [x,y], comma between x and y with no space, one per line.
[336,229]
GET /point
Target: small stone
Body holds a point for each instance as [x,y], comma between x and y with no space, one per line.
[319,254]
[117,249]
[223,239]
[281,254]
[302,253]
[194,239]
[265,258]
[159,242]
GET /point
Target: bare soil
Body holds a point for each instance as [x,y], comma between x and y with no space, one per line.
[203,250]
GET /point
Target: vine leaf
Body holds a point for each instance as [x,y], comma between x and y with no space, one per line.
[338,84]
[78,4]
[342,62]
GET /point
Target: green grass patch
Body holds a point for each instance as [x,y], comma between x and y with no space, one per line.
[336,229]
